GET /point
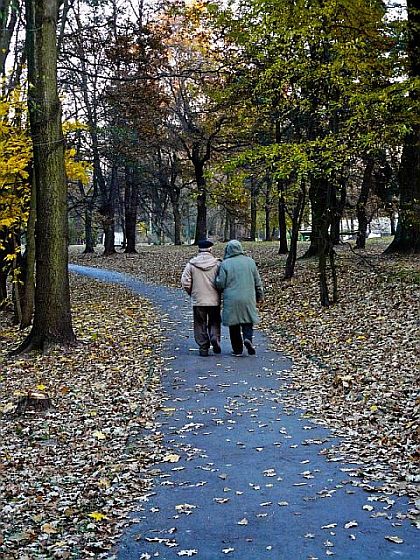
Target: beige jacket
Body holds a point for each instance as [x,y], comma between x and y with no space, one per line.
[198,279]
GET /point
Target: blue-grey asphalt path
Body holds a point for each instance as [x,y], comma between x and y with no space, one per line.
[249,480]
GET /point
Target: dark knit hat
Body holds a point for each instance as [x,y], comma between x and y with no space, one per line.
[205,244]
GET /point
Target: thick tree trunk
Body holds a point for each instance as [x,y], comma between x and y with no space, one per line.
[319,207]
[362,217]
[52,319]
[283,248]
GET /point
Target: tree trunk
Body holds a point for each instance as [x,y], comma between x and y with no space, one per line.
[28,295]
[89,237]
[362,217]
[337,209]
[226,226]
[201,224]
[296,223]
[392,222]
[8,19]
[130,209]
[319,207]
[254,204]
[3,288]
[52,319]
[267,209]
[283,248]
[177,223]
[108,215]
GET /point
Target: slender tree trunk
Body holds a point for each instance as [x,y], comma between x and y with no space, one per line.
[226,227]
[201,225]
[28,296]
[283,248]
[296,223]
[8,19]
[130,209]
[232,227]
[177,223]
[3,288]
[52,319]
[254,205]
[89,237]
[337,208]
[362,216]
[108,215]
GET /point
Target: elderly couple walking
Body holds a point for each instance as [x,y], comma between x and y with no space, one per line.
[205,278]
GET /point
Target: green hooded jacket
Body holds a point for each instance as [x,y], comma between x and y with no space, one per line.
[241,284]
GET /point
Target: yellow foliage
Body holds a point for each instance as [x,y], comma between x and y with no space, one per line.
[15,162]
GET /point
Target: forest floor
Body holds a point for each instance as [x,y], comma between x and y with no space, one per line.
[355,370]
[70,476]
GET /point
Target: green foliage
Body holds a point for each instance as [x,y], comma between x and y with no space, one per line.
[330,78]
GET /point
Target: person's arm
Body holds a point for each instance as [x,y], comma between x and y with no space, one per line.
[259,291]
[220,280]
[186,279]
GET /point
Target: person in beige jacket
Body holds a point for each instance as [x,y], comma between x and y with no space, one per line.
[198,281]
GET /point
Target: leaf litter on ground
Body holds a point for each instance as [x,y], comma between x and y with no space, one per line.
[70,476]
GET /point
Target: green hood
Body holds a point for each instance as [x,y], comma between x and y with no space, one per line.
[233,248]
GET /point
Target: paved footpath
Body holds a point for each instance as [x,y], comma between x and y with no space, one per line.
[249,480]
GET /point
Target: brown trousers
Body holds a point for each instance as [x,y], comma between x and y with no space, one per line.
[206,325]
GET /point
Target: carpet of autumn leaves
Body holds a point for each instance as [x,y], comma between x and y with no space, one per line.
[355,370]
[356,364]
[70,476]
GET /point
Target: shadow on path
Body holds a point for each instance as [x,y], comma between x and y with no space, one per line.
[251,481]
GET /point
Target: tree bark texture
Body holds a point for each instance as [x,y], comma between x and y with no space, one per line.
[296,223]
[52,319]
[362,217]
[319,208]
[130,209]
[254,206]
[28,297]
[8,19]
[283,248]
[201,225]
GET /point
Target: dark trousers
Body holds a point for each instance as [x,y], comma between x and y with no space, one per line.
[238,333]
[206,325]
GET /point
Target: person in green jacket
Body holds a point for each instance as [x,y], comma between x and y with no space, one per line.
[240,282]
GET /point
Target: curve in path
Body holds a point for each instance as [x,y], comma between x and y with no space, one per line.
[249,480]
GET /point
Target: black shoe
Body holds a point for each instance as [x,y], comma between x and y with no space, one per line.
[216,346]
[237,354]
[249,347]
[203,353]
